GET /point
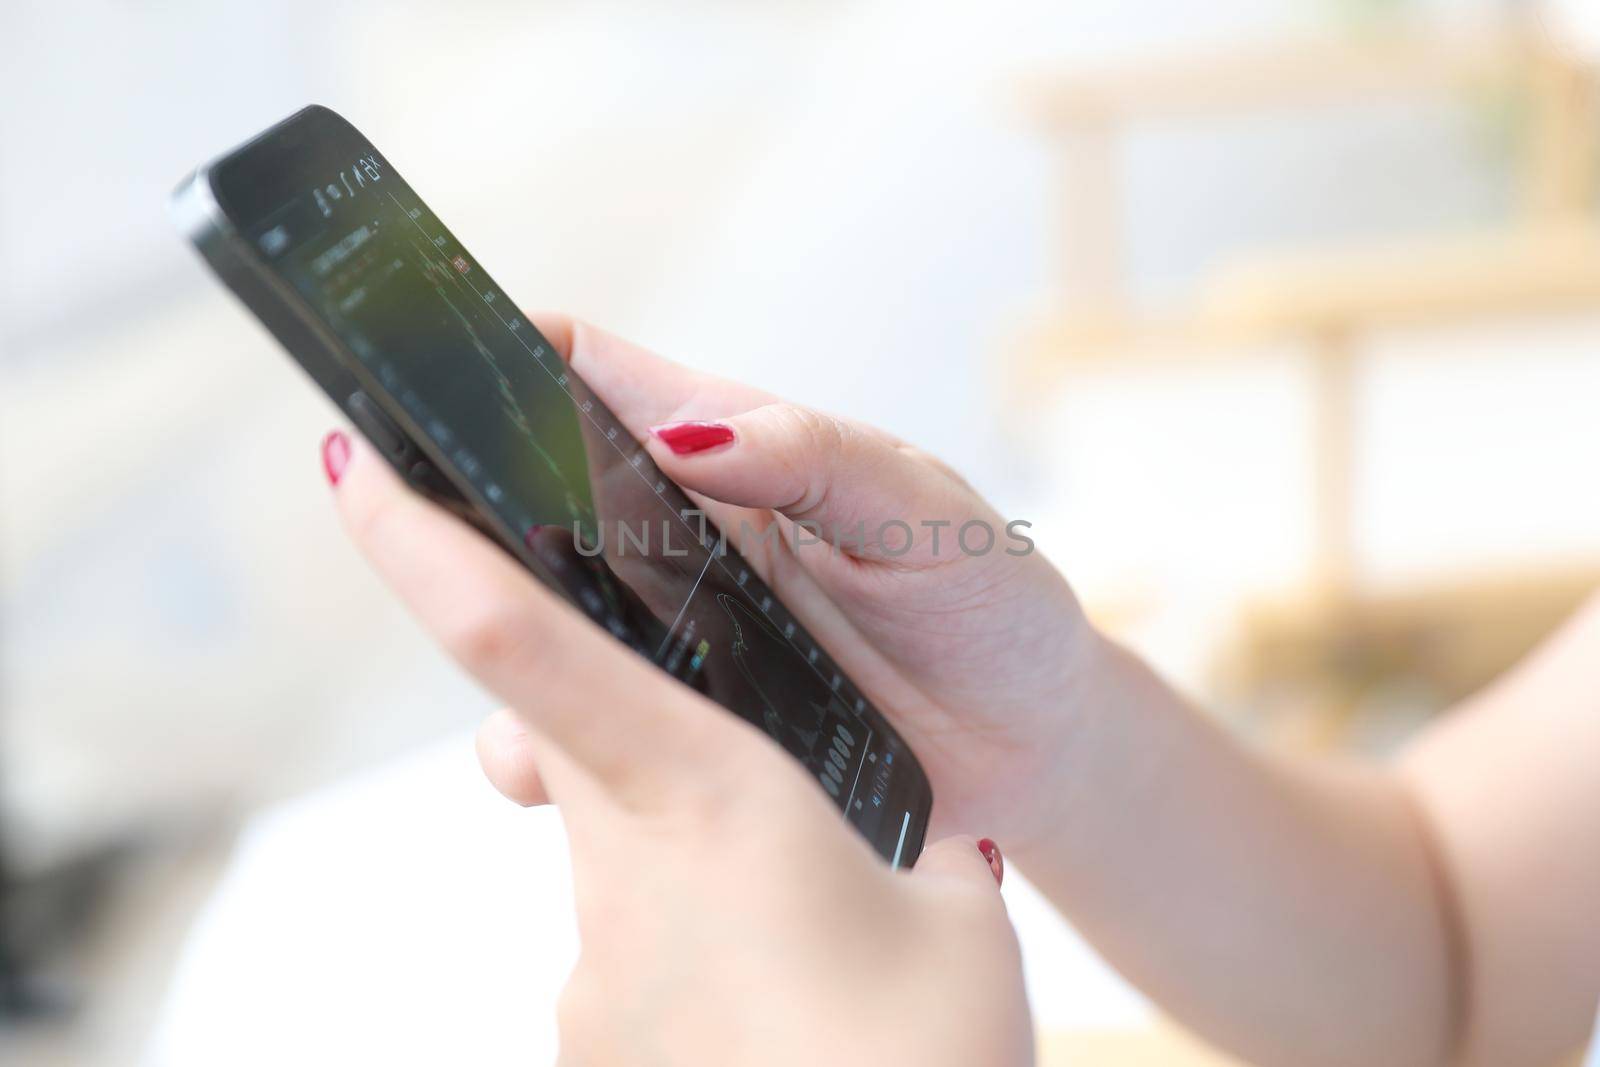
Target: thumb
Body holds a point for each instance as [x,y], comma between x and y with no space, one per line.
[509,757]
[963,859]
[846,483]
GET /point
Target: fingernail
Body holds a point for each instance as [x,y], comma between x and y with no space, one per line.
[335,455]
[685,438]
[997,863]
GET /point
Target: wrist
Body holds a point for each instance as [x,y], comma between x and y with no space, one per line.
[1072,724]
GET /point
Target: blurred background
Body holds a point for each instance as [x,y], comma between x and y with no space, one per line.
[1279,320]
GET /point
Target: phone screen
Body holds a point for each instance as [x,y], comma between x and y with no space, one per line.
[569,489]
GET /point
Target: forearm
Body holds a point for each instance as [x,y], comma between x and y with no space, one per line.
[1291,913]
[1510,786]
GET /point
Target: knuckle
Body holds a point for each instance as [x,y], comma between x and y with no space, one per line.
[815,442]
[822,435]
[488,637]
[928,459]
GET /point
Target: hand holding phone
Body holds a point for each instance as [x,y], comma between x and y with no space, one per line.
[540,434]
[969,652]
[314,229]
[724,918]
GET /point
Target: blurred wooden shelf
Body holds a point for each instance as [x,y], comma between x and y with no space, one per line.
[1545,257]
[1321,301]
[1440,640]
[1308,296]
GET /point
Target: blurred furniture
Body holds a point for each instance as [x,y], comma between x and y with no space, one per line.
[1340,640]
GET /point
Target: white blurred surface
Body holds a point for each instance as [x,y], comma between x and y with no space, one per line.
[409,915]
[412,916]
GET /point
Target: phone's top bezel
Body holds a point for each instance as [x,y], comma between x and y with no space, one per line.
[253,180]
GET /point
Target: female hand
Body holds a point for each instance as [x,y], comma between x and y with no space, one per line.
[966,646]
[727,914]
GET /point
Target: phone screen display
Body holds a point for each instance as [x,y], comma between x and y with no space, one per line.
[568,488]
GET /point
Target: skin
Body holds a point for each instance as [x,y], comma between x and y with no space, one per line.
[1439,910]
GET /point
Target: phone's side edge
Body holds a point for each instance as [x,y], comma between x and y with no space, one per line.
[195,210]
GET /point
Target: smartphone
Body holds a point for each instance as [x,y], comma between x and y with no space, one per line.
[321,238]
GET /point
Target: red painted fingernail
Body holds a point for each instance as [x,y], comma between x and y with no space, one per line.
[686,438]
[997,862]
[335,455]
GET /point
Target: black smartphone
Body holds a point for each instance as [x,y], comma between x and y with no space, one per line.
[317,233]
